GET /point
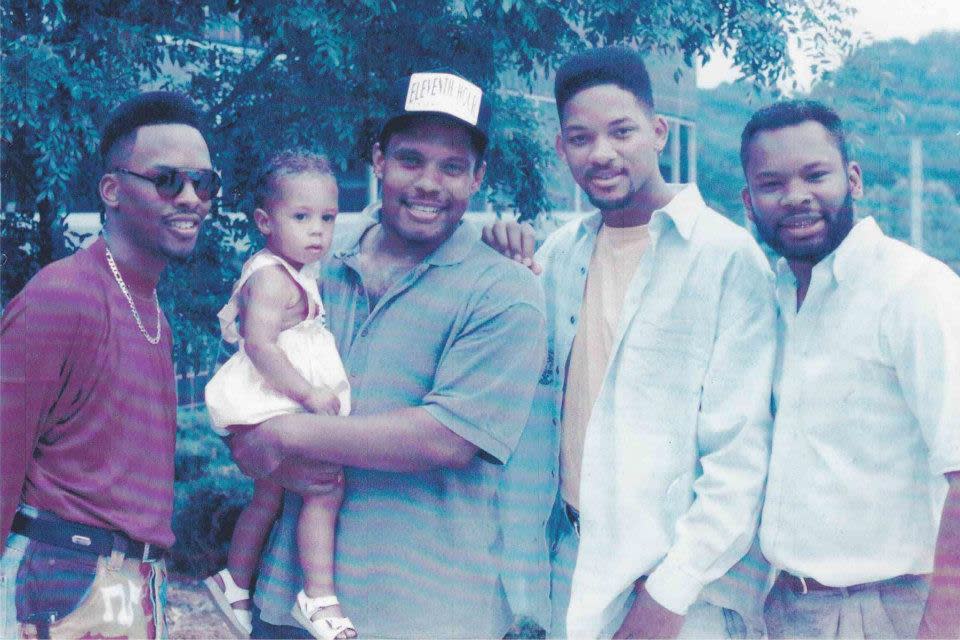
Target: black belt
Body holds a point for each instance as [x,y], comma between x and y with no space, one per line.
[802,586]
[52,529]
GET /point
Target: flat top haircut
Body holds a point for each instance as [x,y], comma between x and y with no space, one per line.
[288,162]
[153,107]
[788,113]
[618,65]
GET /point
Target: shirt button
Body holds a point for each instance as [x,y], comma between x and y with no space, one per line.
[573,320]
[364,333]
[583,271]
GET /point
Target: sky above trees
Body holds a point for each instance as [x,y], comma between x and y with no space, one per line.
[874,21]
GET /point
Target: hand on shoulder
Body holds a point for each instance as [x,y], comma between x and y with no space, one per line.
[514,240]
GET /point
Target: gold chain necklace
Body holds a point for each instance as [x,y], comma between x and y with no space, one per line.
[133,307]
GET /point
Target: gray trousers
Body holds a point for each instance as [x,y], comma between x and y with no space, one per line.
[889,609]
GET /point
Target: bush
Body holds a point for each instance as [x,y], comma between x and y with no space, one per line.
[20,252]
[209,492]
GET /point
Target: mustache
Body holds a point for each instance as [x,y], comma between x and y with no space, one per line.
[201,211]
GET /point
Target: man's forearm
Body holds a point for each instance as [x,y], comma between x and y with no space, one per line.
[941,618]
[404,440]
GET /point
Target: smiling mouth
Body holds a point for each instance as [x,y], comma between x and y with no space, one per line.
[605,175]
[800,220]
[186,226]
[604,178]
[802,225]
[423,211]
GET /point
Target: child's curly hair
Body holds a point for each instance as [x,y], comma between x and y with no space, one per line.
[285,163]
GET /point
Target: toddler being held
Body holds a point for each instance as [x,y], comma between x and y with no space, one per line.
[287,362]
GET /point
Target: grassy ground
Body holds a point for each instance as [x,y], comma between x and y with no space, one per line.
[191,613]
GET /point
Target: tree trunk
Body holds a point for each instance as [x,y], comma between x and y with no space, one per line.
[51,244]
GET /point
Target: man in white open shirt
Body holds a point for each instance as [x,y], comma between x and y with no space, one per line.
[867,391]
[661,323]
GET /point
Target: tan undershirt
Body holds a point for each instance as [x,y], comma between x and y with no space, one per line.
[615,258]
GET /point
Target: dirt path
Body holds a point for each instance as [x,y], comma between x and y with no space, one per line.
[191,613]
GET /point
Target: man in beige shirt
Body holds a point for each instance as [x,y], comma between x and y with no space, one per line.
[654,402]
[613,264]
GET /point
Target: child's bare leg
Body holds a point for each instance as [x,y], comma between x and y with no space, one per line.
[251,531]
[316,532]
[230,587]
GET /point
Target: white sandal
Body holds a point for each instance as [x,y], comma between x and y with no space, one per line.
[321,628]
[240,620]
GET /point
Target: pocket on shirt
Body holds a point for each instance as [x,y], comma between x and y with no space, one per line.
[52,580]
[664,360]
[859,388]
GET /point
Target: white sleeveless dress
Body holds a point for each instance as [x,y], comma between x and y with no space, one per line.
[238,393]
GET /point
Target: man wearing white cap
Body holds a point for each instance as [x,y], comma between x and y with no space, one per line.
[443,341]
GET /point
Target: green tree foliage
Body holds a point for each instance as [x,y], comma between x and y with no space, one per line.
[310,73]
[209,493]
[886,93]
[891,91]
[64,65]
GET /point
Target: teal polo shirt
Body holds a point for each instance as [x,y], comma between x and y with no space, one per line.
[420,554]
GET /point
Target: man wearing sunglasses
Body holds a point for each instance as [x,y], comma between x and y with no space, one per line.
[88,394]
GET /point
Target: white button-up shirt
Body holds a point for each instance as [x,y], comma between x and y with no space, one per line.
[867,413]
[676,450]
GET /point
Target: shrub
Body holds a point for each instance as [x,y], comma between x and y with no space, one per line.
[209,492]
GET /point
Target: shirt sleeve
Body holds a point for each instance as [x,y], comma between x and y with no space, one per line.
[486,377]
[37,332]
[733,439]
[920,331]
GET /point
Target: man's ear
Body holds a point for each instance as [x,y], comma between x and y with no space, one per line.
[108,189]
[262,218]
[855,179]
[379,159]
[661,132]
[748,204]
[478,177]
[559,146]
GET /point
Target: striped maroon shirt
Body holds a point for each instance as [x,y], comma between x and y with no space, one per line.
[88,405]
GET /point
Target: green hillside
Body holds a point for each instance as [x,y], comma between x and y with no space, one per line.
[887,93]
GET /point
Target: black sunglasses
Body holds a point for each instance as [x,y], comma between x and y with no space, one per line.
[169,182]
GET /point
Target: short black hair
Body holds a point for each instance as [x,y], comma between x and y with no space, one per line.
[617,65]
[287,163]
[407,122]
[788,113]
[153,107]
